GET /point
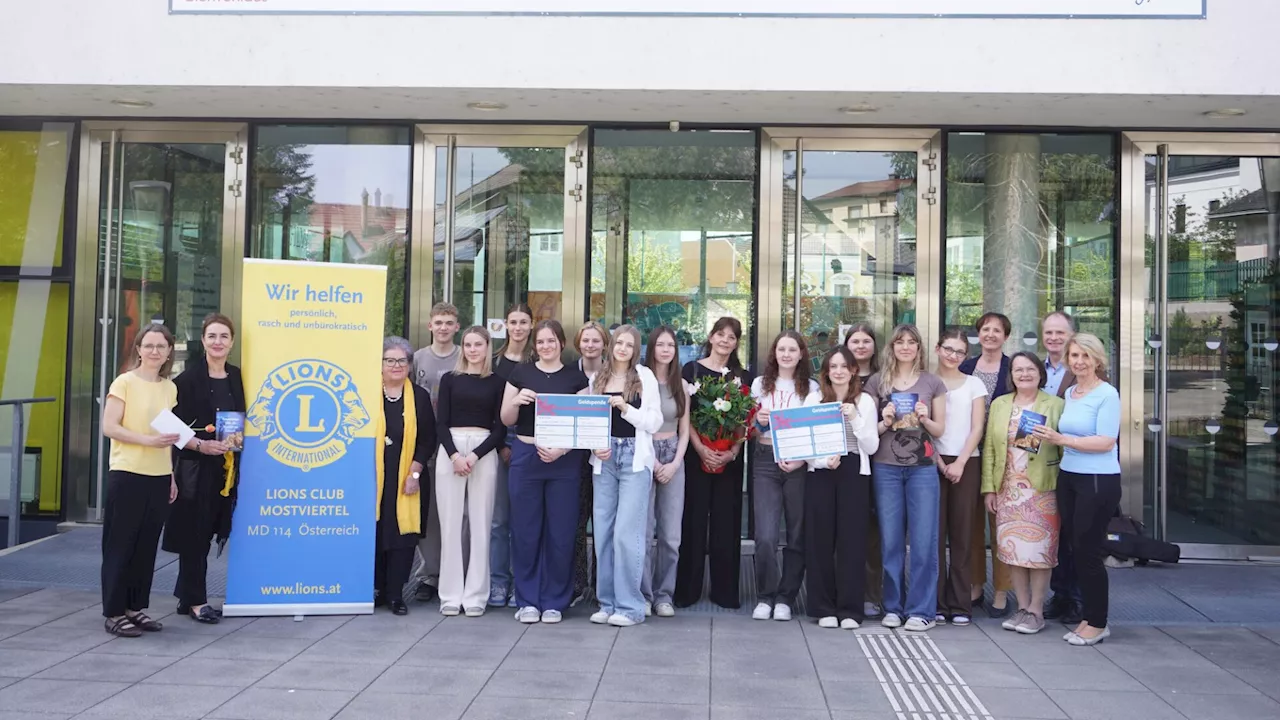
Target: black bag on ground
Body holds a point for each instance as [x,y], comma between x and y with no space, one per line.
[1125,541]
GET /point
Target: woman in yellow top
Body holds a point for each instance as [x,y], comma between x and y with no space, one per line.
[1019,474]
[140,483]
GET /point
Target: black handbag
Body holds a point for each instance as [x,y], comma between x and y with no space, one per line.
[1126,540]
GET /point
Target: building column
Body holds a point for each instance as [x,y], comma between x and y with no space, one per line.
[1014,244]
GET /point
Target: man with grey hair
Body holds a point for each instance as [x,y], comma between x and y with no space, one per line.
[1056,330]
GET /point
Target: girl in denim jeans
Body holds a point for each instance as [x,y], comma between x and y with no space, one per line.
[666,499]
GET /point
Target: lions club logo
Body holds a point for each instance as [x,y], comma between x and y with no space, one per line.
[308,412]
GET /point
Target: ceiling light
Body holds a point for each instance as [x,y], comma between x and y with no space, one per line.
[1224,113]
[131,103]
[858,109]
[487,106]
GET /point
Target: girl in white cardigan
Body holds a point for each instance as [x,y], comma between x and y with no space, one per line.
[837,500]
[622,478]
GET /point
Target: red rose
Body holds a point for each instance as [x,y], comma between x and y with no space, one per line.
[746,390]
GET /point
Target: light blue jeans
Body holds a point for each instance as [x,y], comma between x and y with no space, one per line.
[907,505]
[619,516]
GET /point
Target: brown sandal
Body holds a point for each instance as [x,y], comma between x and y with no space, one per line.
[122,627]
[141,620]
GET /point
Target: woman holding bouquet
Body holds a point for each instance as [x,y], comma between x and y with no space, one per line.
[712,523]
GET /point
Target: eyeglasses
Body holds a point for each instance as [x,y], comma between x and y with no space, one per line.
[1026,371]
[154,348]
[951,352]
[395,362]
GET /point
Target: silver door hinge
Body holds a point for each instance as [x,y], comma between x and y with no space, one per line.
[235,188]
[576,159]
[237,155]
[931,195]
[931,161]
[576,193]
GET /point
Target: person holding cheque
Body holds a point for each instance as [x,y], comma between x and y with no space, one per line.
[1019,473]
[542,482]
[140,484]
[623,478]
[837,499]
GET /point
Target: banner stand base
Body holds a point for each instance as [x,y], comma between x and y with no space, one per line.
[297,611]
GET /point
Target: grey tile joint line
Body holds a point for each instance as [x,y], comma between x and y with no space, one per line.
[918,680]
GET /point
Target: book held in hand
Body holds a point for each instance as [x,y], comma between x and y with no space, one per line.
[904,409]
[230,430]
[1025,437]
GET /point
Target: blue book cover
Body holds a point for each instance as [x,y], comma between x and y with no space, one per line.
[1025,437]
[904,408]
[230,430]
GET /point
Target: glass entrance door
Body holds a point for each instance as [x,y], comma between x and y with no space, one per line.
[165,212]
[1211,216]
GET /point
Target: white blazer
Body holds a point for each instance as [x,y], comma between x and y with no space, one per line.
[647,419]
[864,429]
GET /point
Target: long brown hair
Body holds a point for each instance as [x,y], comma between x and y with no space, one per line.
[527,355]
[153,329]
[732,323]
[803,371]
[866,329]
[631,386]
[486,363]
[824,376]
[675,381]
[890,361]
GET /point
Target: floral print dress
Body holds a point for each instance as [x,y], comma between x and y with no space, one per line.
[1027,520]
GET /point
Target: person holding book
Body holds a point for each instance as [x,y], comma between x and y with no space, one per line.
[836,494]
[959,476]
[210,401]
[861,341]
[517,349]
[913,407]
[140,483]
[1019,474]
[470,433]
[666,501]
[1089,478]
[405,432]
[778,487]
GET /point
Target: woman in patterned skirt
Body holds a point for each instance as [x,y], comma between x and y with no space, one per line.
[1019,475]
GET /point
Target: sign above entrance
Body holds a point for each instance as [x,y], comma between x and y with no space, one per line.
[1138,9]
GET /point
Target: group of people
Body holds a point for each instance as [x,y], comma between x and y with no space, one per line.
[1024,446]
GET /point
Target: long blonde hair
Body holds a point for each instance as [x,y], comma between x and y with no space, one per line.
[889,361]
[630,388]
[486,363]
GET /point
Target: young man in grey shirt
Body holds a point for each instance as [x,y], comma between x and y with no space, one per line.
[429,365]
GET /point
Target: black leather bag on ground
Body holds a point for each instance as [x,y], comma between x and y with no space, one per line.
[1126,541]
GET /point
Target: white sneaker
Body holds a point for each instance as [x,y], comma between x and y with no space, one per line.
[666,610]
[919,624]
[528,615]
[829,621]
[450,610]
[782,611]
[648,609]
[871,609]
[762,611]
[599,617]
[474,612]
[891,620]
[620,620]
[551,617]
[849,624]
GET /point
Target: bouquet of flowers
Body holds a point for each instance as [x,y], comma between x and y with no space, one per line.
[722,412]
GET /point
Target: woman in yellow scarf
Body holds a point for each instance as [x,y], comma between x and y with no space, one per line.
[406,432]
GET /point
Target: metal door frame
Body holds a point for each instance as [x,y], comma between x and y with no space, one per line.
[1134,147]
[430,138]
[774,141]
[85,352]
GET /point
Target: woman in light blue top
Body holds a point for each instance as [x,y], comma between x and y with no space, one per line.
[1089,477]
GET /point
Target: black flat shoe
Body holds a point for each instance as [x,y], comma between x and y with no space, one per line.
[398,607]
[186,610]
[379,601]
[425,593]
[207,615]
[144,623]
[995,612]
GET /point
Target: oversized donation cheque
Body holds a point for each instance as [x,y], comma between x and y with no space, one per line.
[808,432]
[576,422]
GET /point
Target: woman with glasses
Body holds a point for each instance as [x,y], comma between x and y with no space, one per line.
[861,341]
[959,476]
[405,431]
[206,469]
[913,407]
[140,482]
[1018,479]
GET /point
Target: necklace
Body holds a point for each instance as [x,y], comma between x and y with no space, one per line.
[388,396]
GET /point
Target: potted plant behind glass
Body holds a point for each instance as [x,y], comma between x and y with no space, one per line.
[723,411]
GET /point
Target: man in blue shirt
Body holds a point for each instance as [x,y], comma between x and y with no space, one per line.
[1056,331]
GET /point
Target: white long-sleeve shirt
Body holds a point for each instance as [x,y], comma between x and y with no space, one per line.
[863,425]
[647,419]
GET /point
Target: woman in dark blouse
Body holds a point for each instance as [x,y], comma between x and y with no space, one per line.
[206,470]
[406,432]
[712,501]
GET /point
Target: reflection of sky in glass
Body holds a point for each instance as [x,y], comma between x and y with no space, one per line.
[343,171]
[827,171]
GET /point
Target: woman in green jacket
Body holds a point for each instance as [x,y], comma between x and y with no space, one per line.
[1019,474]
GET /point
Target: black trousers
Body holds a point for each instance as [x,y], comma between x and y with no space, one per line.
[133,516]
[583,571]
[836,511]
[391,569]
[711,528]
[193,569]
[1086,504]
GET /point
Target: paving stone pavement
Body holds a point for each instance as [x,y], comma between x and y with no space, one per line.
[56,662]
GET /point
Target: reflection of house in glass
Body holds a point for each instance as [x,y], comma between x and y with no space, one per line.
[340,232]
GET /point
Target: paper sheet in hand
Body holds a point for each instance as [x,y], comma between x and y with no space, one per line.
[166,423]
[808,432]
[577,422]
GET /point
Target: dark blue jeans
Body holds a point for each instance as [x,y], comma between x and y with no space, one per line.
[544,518]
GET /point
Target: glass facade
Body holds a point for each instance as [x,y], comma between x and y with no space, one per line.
[335,194]
[35,289]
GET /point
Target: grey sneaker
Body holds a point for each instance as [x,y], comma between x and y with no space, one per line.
[666,610]
[1030,624]
[1011,622]
[497,596]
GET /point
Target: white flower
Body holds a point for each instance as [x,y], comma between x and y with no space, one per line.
[387,440]
[721,405]
[724,371]
[693,389]
[737,381]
